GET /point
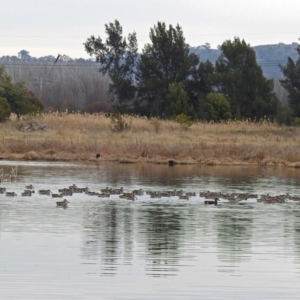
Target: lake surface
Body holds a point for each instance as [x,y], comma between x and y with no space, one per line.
[162,248]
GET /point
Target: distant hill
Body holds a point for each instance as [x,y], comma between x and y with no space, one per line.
[268,56]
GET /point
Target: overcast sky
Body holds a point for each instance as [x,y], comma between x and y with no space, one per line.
[48,27]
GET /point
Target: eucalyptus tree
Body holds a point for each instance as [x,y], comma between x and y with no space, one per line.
[117,56]
[241,80]
[164,61]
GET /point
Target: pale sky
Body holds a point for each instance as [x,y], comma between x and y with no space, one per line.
[48,27]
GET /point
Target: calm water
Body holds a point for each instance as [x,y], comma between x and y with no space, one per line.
[150,248]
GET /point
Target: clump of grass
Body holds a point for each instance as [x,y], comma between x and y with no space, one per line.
[119,123]
[156,123]
[31,155]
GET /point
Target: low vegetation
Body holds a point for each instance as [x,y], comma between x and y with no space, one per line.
[82,136]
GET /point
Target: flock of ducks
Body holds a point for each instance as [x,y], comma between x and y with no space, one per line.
[30,190]
[211,198]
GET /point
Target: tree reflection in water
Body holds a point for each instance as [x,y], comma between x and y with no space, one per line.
[161,229]
[108,231]
[292,230]
[111,230]
[234,235]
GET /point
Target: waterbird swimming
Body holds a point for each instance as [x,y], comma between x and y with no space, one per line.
[139,192]
[26,193]
[44,192]
[63,204]
[184,197]
[213,202]
[131,197]
[57,195]
[171,163]
[11,194]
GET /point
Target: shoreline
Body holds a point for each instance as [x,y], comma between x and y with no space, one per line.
[209,161]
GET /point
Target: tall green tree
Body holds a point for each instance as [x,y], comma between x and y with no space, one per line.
[291,83]
[21,101]
[164,61]
[117,56]
[241,80]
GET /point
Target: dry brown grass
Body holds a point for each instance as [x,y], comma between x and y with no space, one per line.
[80,137]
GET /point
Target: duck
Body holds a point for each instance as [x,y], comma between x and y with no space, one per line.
[191,194]
[166,194]
[124,195]
[74,186]
[26,193]
[155,195]
[139,192]
[66,191]
[81,190]
[171,163]
[29,187]
[63,204]
[116,191]
[212,202]
[106,190]
[131,197]
[57,195]
[11,194]
[44,192]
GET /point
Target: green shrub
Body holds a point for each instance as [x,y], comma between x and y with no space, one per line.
[184,121]
[217,107]
[178,100]
[296,122]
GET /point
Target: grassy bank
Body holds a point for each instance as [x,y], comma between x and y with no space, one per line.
[81,137]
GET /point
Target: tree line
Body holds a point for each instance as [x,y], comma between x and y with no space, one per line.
[165,80]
